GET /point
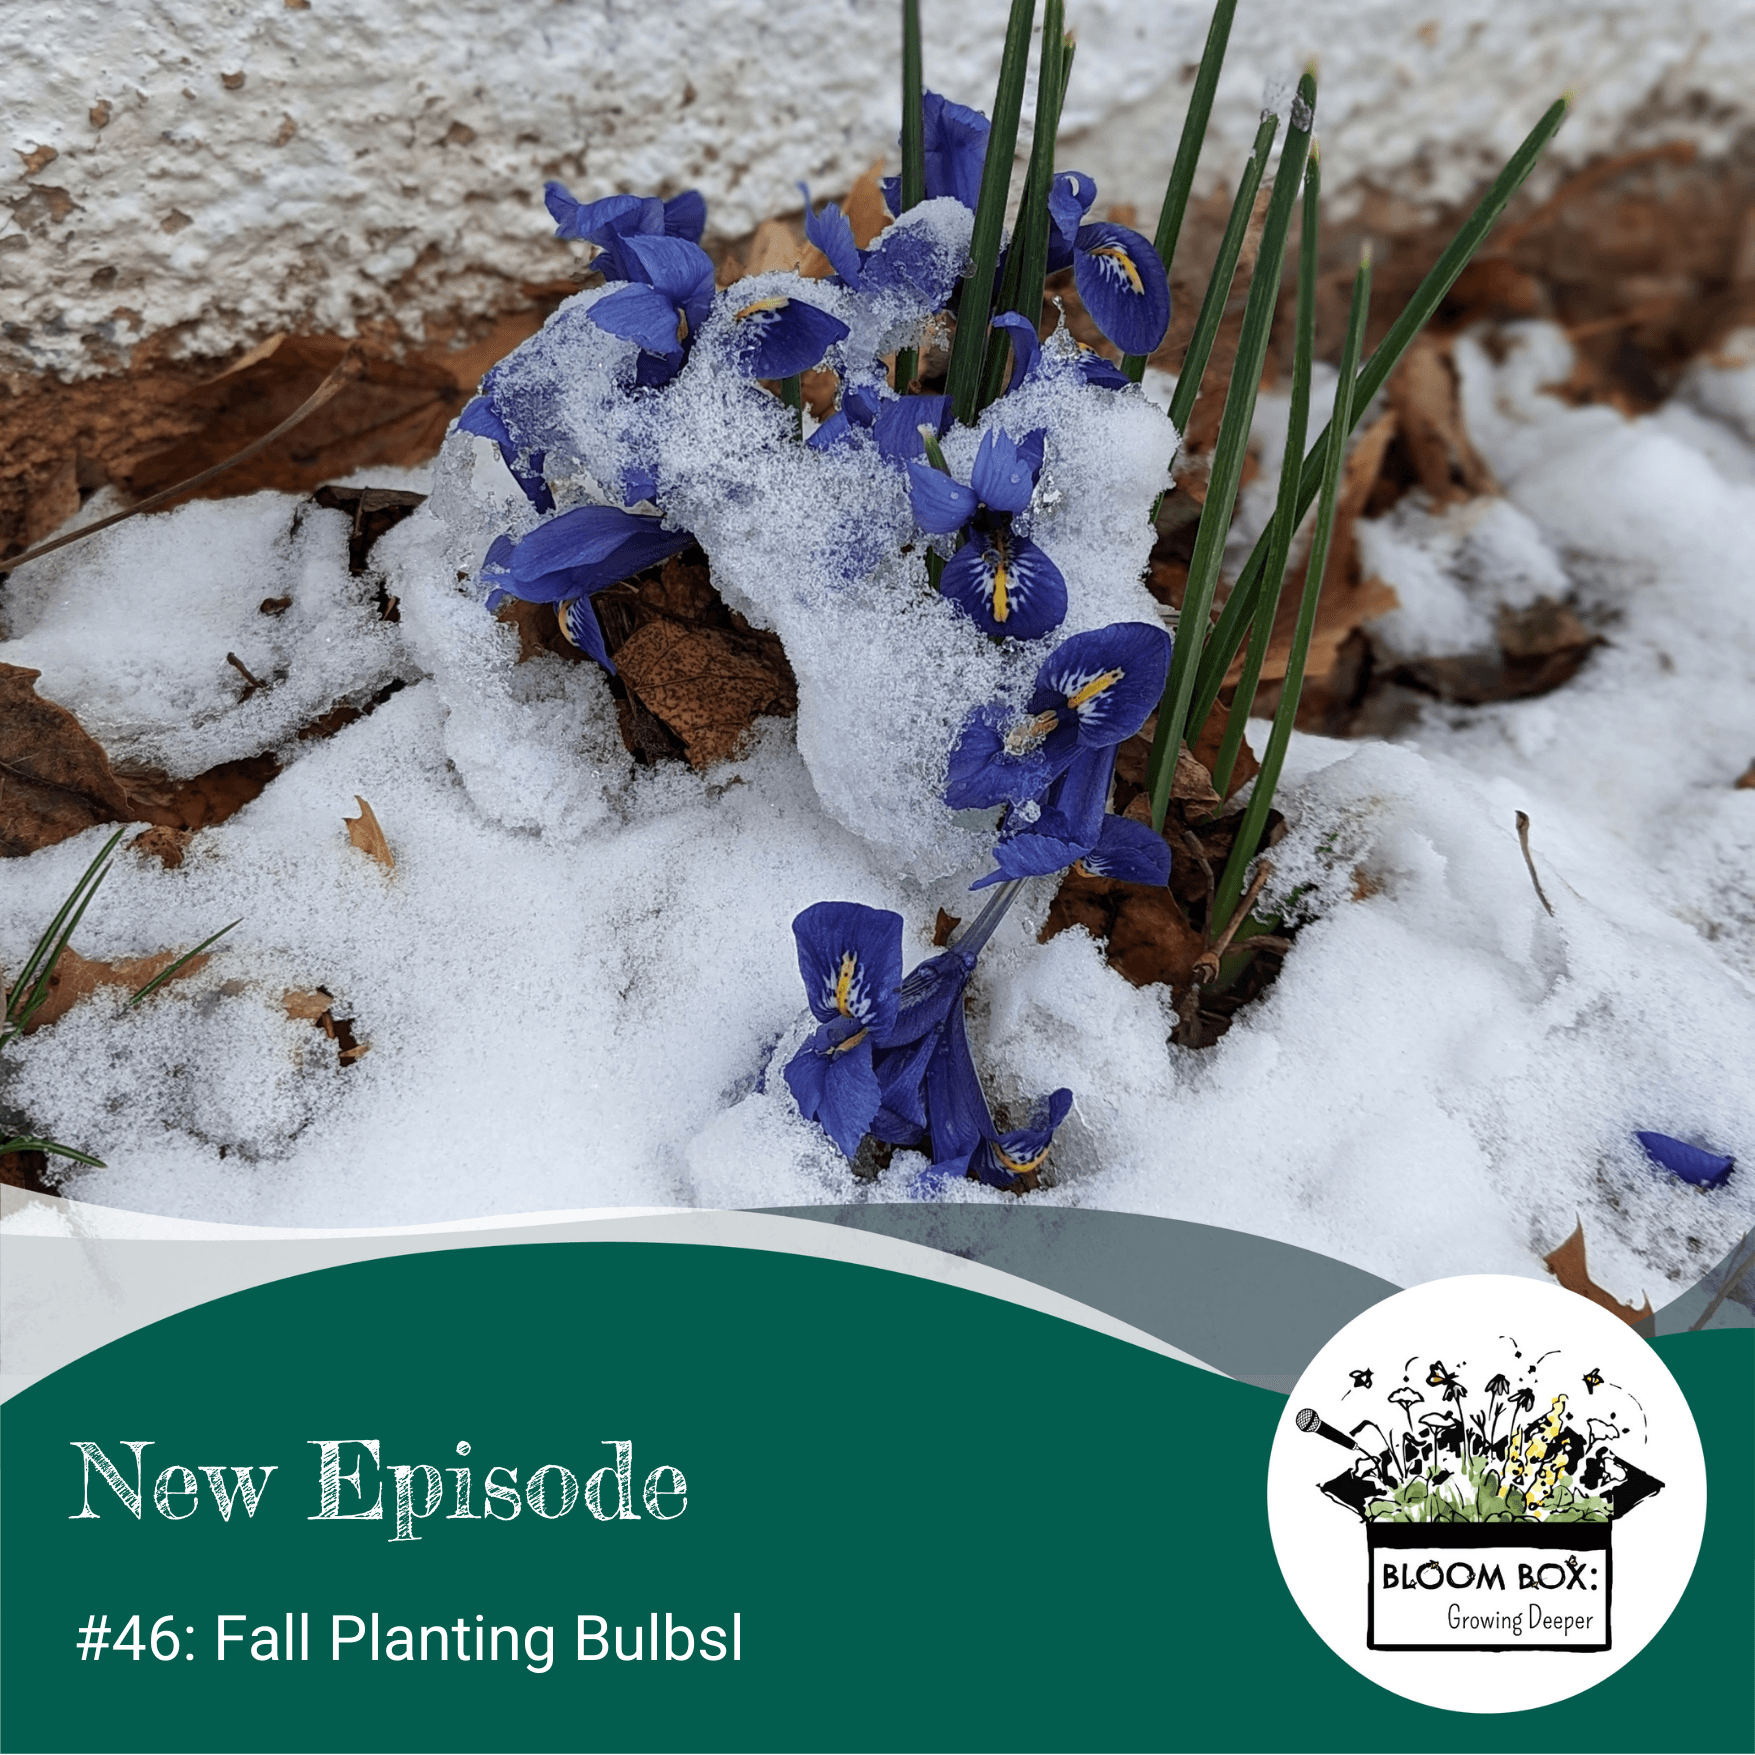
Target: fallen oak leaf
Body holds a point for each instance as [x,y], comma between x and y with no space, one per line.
[75,978]
[363,831]
[1568,1265]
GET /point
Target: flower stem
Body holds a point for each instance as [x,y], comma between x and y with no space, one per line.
[973,937]
[1194,130]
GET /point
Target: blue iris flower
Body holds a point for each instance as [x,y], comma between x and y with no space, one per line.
[956,152]
[667,294]
[904,260]
[609,223]
[482,417]
[1120,279]
[851,959]
[1003,581]
[1053,765]
[1693,1164]
[893,422]
[1027,356]
[566,559]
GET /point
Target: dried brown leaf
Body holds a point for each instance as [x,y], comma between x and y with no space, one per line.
[777,245]
[364,833]
[1567,1264]
[865,209]
[55,780]
[1746,781]
[75,978]
[310,1006]
[707,684]
[1425,398]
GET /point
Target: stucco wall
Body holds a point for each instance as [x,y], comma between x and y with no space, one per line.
[223,169]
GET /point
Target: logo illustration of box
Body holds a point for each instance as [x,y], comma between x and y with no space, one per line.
[1488,1586]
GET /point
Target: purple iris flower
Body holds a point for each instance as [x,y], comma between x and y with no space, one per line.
[1120,279]
[893,421]
[1027,356]
[1057,759]
[1003,581]
[663,303]
[904,260]
[1128,851]
[956,152]
[851,959]
[609,223]
[566,559]
[1006,1159]
[779,336]
[482,418]
[1693,1164]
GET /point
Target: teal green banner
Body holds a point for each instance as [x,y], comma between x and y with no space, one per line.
[647,1496]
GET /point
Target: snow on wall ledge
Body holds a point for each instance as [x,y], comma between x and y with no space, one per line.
[224,170]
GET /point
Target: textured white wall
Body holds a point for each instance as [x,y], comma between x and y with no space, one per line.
[226,168]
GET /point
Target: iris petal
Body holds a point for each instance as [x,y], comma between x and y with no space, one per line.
[1069,199]
[832,233]
[898,423]
[1692,1163]
[642,315]
[1001,477]
[941,505]
[1129,852]
[1007,585]
[580,625]
[832,1081]
[985,770]
[685,215]
[1109,711]
[850,957]
[1026,348]
[682,271]
[784,337]
[1123,286]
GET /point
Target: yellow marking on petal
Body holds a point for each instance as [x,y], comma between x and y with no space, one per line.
[1117,254]
[852,1041]
[1001,609]
[772,304]
[1021,1167]
[1095,687]
[849,968]
[561,612]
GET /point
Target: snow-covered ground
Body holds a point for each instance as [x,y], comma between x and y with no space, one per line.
[578,968]
[212,174]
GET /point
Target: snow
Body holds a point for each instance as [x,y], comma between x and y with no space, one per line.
[221,173]
[579,969]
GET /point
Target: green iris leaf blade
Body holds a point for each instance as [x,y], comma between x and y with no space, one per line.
[913,152]
[1229,452]
[1243,849]
[975,303]
[1239,609]
[1291,470]
[1194,132]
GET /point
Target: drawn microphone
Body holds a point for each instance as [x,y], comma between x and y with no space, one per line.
[1309,1420]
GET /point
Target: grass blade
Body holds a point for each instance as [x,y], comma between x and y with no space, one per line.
[1228,635]
[1291,469]
[1026,263]
[975,303]
[165,975]
[52,1146]
[1218,293]
[1243,849]
[1228,453]
[1194,133]
[913,152]
[32,986]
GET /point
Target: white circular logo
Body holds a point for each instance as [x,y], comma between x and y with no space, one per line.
[1486,1493]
